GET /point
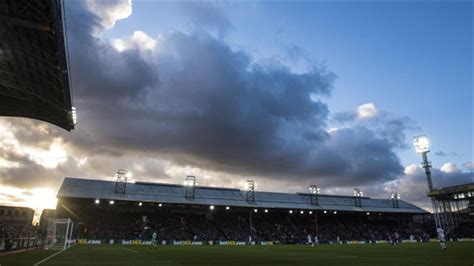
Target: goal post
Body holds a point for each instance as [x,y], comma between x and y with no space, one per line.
[59,235]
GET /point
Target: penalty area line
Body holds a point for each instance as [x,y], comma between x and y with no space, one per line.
[47,258]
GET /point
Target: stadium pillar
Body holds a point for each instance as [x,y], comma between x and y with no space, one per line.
[422,146]
[316,221]
[250,224]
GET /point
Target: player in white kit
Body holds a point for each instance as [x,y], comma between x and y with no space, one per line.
[310,240]
[441,238]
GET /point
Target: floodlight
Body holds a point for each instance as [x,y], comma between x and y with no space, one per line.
[421,143]
[97,201]
[111,202]
[128,175]
[159,205]
[140,204]
[310,212]
[291,211]
[368,213]
[227,208]
[255,210]
[211,207]
[358,193]
[325,211]
[314,189]
[301,212]
[335,212]
[74,115]
[266,210]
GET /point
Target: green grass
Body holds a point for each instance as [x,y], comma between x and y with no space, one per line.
[460,253]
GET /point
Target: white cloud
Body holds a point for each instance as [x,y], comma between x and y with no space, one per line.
[4,163]
[469,165]
[449,168]
[49,158]
[110,11]
[366,111]
[139,40]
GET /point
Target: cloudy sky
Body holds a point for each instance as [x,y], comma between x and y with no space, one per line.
[286,94]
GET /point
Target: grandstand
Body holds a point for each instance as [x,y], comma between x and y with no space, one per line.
[455,206]
[34,77]
[102,212]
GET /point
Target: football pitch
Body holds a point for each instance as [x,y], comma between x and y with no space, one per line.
[459,253]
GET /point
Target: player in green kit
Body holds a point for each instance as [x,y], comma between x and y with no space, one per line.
[153,239]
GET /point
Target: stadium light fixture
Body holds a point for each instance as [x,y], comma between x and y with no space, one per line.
[310,212]
[111,202]
[97,201]
[211,207]
[325,212]
[291,211]
[140,204]
[160,204]
[357,197]
[313,189]
[422,144]
[301,212]
[250,188]
[74,115]
[335,212]
[227,208]
[255,210]
[358,193]
[266,210]
[368,213]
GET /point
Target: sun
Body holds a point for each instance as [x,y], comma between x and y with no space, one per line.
[41,198]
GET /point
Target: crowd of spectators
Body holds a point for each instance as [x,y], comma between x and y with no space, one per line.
[277,226]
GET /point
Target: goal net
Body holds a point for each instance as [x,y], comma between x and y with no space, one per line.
[59,235]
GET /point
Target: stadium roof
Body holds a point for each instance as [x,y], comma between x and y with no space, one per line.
[33,62]
[174,194]
[459,192]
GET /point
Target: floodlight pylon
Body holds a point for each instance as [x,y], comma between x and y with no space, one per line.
[121,181]
[189,187]
[250,194]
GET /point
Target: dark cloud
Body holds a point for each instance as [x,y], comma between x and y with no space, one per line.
[196,101]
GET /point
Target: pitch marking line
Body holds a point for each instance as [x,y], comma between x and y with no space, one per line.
[131,250]
[111,262]
[45,259]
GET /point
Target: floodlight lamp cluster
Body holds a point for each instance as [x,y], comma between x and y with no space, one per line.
[358,193]
[395,195]
[250,185]
[123,174]
[422,144]
[314,189]
[74,115]
[189,183]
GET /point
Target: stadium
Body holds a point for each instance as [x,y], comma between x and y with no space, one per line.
[112,222]
[115,221]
